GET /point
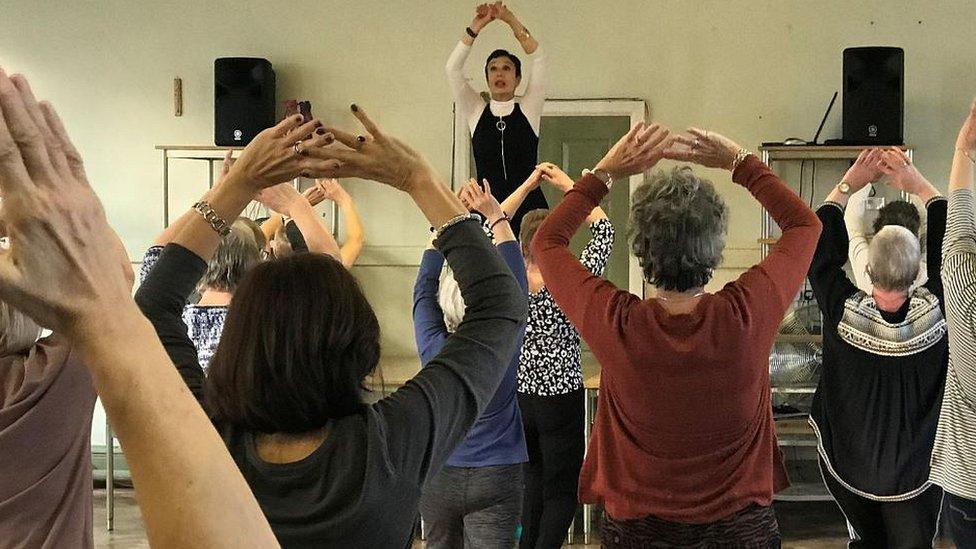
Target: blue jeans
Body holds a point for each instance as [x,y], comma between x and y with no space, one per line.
[962,521]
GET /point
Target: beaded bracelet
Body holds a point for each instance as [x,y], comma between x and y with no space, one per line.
[504,217]
[217,223]
[454,221]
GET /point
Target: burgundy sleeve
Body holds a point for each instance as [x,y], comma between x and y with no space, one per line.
[786,266]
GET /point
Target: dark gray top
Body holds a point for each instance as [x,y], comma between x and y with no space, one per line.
[360,488]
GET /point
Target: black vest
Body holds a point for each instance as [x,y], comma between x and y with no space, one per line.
[506,151]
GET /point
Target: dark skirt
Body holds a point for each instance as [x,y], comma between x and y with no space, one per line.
[754,526]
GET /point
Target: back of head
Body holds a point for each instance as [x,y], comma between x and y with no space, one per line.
[677,229]
[298,341]
[530,225]
[255,227]
[899,213]
[237,253]
[893,259]
[18,332]
[450,300]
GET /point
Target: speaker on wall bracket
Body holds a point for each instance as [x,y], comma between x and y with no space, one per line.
[874,96]
[244,99]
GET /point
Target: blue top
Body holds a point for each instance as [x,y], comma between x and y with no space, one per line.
[497,437]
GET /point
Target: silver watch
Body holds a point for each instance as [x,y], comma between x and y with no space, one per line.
[602,175]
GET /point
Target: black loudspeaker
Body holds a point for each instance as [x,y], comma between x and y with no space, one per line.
[874,96]
[244,99]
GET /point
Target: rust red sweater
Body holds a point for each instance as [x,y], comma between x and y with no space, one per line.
[684,427]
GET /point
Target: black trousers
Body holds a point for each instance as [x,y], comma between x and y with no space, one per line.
[554,436]
[962,521]
[908,524]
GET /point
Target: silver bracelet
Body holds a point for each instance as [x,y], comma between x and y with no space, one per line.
[452,222]
[739,157]
[217,223]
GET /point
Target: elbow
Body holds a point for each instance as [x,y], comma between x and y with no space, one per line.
[516,302]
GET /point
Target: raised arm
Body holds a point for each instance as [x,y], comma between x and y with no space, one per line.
[535,88]
[864,171]
[514,201]
[904,176]
[429,329]
[785,267]
[352,246]
[959,253]
[857,250]
[67,269]
[467,100]
[478,198]
[553,175]
[286,200]
[432,413]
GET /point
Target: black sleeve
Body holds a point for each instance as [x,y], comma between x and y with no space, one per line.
[426,418]
[830,284]
[162,296]
[934,235]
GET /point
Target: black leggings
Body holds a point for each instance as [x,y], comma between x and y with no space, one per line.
[554,436]
[909,524]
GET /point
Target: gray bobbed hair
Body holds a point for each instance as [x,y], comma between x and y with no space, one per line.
[893,259]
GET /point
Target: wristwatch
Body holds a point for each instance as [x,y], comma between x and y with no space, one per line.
[602,175]
[844,187]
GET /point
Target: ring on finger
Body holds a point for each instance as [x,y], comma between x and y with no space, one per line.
[360,140]
[694,145]
[298,148]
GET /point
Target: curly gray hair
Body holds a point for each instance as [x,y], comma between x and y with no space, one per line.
[677,229]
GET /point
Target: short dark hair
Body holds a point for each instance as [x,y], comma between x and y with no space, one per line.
[900,213]
[504,53]
[677,229]
[530,225]
[298,341]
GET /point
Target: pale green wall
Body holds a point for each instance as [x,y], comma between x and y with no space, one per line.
[754,70]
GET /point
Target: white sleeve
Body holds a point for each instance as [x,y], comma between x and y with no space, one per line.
[858,247]
[535,89]
[468,101]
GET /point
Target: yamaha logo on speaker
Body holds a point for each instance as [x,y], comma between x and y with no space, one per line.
[238,134]
[872,131]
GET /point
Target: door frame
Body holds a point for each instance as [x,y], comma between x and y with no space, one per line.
[635,109]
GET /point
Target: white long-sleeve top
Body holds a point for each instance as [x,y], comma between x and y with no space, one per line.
[471,105]
[858,250]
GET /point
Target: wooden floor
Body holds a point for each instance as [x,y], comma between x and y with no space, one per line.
[803,525]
